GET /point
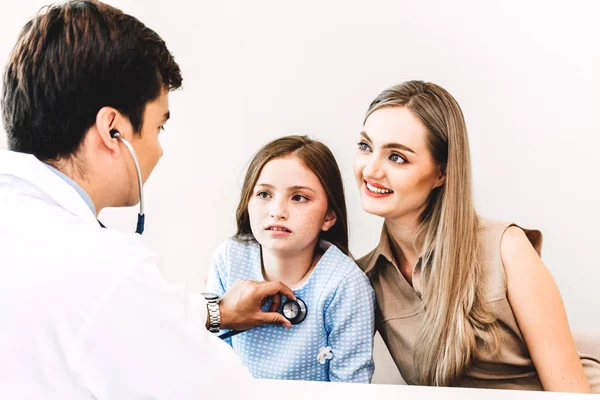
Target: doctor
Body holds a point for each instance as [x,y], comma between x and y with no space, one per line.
[85,312]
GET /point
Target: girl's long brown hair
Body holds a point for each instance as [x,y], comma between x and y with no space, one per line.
[315,156]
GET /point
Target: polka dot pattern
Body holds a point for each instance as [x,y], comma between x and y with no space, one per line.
[340,304]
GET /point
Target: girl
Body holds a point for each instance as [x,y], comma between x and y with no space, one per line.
[292,227]
[462,300]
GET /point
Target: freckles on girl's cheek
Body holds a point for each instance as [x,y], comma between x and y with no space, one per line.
[304,218]
[308,219]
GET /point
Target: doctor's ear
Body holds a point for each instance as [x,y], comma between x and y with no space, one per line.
[109,123]
[330,220]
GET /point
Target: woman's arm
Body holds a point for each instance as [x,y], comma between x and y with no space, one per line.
[539,310]
[350,324]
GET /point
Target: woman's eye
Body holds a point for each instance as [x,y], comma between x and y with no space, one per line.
[263,195]
[398,159]
[299,198]
[362,146]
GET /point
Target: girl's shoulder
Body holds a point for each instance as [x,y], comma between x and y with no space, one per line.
[232,252]
[237,247]
[343,268]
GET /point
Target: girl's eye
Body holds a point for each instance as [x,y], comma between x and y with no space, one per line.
[161,128]
[362,146]
[263,195]
[397,158]
[300,198]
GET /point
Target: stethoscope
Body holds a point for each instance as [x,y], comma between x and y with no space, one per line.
[294,310]
[141,217]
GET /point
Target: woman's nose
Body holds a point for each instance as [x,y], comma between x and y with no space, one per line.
[373,168]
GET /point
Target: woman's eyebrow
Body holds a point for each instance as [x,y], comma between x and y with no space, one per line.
[389,145]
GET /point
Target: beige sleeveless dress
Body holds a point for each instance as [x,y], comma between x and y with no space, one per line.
[400,313]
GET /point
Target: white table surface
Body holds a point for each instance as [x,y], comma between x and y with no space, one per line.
[292,390]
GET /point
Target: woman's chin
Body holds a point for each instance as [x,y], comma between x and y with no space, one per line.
[383,212]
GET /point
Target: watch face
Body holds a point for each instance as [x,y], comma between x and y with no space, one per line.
[210,296]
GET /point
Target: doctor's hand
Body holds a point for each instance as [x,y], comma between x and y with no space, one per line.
[241,306]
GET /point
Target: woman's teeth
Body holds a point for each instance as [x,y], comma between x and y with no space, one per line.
[378,190]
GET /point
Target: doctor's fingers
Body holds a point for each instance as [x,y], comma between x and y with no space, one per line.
[271,289]
[275,302]
[272,318]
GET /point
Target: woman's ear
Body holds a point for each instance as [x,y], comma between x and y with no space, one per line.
[330,220]
[441,179]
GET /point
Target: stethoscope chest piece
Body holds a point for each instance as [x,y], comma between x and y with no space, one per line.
[294,310]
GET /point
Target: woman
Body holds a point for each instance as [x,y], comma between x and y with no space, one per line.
[462,300]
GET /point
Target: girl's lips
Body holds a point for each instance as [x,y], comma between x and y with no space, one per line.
[278,230]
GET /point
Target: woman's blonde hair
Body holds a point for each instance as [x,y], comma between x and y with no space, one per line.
[457,317]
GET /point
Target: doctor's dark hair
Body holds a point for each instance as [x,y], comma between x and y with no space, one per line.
[71,60]
[318,159]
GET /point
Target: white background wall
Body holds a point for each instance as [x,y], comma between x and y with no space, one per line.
[526,73]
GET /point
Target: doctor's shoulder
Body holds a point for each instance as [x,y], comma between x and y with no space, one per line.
[122,252]
[96,262]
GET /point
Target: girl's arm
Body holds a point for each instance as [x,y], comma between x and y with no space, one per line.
[540,313]
[350,323]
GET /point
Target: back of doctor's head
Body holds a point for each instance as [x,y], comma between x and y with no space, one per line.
[71,60]
[318,159]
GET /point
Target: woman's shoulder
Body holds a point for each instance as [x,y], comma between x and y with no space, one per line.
[490,235]
[491,232]
[490,224]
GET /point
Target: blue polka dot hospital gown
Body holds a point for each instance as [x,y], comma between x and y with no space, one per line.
[333,343]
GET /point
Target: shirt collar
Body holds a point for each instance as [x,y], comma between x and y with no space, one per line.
[383,249]
[75,186]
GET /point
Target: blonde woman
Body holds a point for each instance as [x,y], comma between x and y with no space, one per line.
[462,300]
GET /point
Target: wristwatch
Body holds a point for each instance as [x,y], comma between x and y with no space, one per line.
[214,313]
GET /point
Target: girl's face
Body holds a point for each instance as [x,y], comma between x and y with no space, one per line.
[288,208]
[394,168]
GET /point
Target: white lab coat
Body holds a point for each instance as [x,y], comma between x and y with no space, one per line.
[85,312]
